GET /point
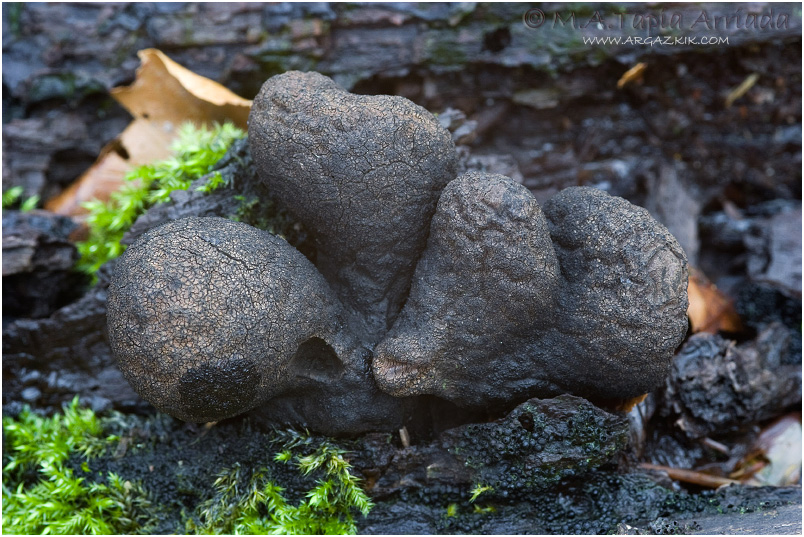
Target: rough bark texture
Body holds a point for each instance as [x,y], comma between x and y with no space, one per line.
[38,259]
[539,443]
[717,386]
[550,100]
[425,488]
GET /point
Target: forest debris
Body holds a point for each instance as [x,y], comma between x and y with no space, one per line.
[463,130]
[639,416]
[164,91]
[627,405]
[742,89]
[710,310]
[717,446]
[775,252]
[38,259]
[36,241]
[634,74]
[536,445]
[691,476]
[492,163]
[163,96]
[404,437]
[140,143]
[776,455]
[538,98]
[718,386]
[674,204]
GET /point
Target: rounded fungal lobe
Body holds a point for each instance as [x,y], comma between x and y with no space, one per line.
[623,302]
[487,279]
[506,304]
[363,173]
[209,318]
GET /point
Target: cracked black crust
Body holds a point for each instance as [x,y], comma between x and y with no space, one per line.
[363,173]
[205,315]
[623,302]
[506,303]
[488,276]
[209,318]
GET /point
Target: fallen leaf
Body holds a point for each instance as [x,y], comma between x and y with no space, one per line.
[163,97]
[709,309]
[168,94]
[140,143]
[775,457]
[633,74]
[626,405]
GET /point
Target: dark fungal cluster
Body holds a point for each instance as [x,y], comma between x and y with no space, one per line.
[424,283]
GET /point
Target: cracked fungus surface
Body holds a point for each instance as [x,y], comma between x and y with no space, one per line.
[506,303]
[625,291]
[205,315]
[362,172]
[488,276]
[423,284]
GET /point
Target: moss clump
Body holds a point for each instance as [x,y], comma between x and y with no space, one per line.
[261,507]
[478,490]
[197,150]
[42,494]
[12,197]
[260,211]
[262,214]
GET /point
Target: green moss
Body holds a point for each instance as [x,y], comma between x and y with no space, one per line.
[196,152]
[12,197]
[13,11]
[258,210]
[478,490]
[42,494]
[257,505]
[445,53]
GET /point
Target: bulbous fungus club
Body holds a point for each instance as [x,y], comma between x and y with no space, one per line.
[424,284]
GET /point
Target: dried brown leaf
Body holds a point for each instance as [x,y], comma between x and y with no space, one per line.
[140,143]
[775,457]
[163,97]
[168,94]
[709,309]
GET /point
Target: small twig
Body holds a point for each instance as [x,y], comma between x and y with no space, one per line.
[634,73]
[691,476]
[742,89]
[717,446]
[748,470]
[404,436]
